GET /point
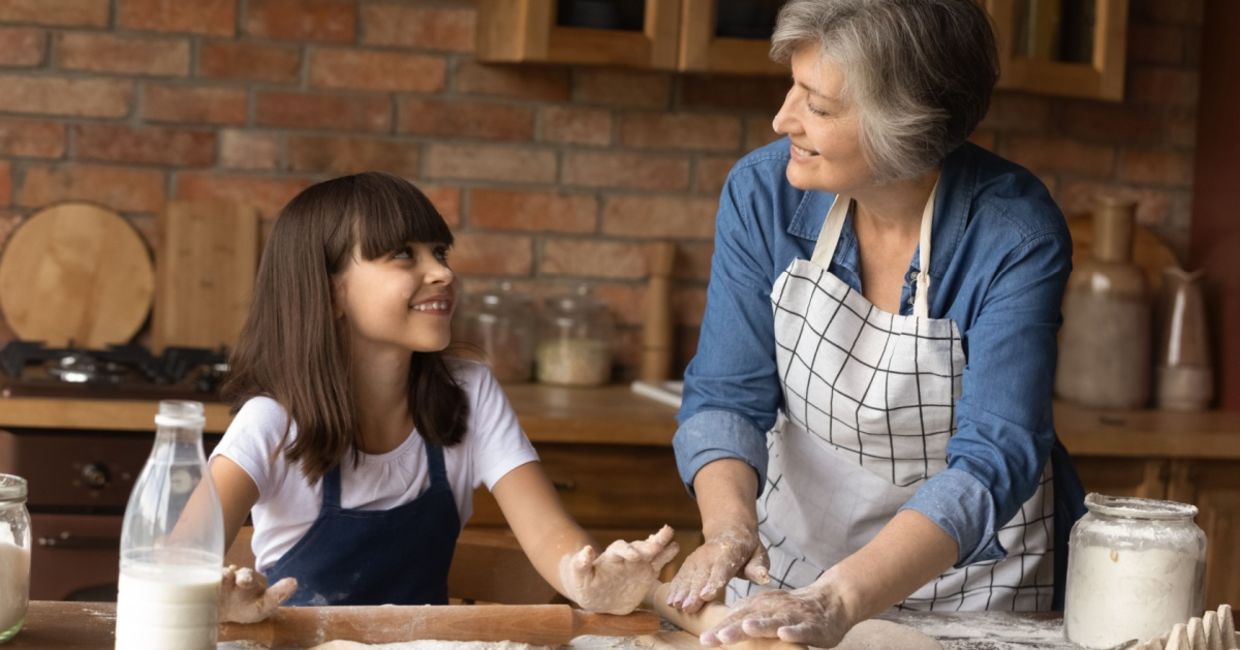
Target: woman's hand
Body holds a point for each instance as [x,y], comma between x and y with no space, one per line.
[815,615]
[706,571]
[246,598]
[616,581]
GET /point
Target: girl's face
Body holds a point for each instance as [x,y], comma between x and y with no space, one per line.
[403,299]
[823,127]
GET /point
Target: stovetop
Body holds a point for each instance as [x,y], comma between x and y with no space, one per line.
[130,371]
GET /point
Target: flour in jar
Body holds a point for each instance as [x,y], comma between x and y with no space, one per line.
[14,584]
[1119,594]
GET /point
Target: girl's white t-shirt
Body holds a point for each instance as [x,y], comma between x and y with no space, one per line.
[288,504]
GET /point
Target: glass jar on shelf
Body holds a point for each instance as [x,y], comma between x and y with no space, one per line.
[14,555]
[1135,569]
[501,324]
[575,340]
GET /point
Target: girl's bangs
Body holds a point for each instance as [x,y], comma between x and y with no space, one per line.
[389,212]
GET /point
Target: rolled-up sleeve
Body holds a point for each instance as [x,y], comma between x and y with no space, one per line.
[731,387]
[1004,425]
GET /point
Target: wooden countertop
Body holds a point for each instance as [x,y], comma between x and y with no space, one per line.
[614,415]
[89,626]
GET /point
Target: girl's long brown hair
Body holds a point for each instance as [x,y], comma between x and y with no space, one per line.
[293,350]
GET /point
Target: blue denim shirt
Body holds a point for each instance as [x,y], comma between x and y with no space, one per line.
[1000,258]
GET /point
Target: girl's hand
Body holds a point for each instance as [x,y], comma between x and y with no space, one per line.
[725,554]
[246,598]
[616,581]
[815,615]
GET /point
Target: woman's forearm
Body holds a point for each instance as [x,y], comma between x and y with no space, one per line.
[726,491]
[910,551]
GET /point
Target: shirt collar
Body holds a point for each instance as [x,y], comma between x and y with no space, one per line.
[957,187]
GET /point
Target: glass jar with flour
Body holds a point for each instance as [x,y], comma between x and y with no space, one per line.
[574,340]
[14,555]
[1135,569]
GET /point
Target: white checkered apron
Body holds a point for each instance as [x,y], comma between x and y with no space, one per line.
[869,405]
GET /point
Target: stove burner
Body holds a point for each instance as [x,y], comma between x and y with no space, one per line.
[197,369]
[81,368]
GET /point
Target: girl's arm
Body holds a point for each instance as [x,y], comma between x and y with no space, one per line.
[237,495]
[565,556]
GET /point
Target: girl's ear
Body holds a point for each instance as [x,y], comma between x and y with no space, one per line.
[338,296]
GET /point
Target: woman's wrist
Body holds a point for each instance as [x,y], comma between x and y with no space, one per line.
[837,591]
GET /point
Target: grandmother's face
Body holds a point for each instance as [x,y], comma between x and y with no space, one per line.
[823,126]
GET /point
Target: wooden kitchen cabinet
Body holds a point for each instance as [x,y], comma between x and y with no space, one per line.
[528,31]
[1214,487]
[1037,55]
[1145,478]
[704,49]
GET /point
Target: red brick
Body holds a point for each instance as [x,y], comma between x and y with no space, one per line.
[1153,206]
[447,200]
[758,131]
[1180,12]
[491,163]
[250,61]
[626,170]
[149,144]
[61,13]
[310,111]
[139,55]
[593,258]
[537,211]
[342,155]
[1018,112]
[492,254]
[31,138]
[9,220]
[756,93]
[1165,86]
[574,125]
[463,118]
[216,17]
[984,139]
[22,46]
[65,96]
[302,20]
[517,82]
[193,104]
[1042,154]
[1115,123]
[1156,167]
[693,260]
[660,216]
[242,149]
[626,301]
[120,188]
[267,194]
[711,173]
[1180,127]
[420,27]
[622,88]
[6,182]
[688,306]
[1156,44]
[369,70]
[680,131]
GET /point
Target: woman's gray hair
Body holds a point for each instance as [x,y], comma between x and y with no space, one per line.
[920,71]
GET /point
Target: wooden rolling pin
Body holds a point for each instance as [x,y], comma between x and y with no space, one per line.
[302,627]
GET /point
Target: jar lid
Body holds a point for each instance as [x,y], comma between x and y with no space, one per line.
[580,299]
[12,488]
[1138,508]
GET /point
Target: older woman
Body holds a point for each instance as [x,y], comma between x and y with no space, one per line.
[876,359]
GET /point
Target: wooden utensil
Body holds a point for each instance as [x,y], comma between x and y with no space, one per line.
[302,627]
[656,363]
[76,272]
[207,260]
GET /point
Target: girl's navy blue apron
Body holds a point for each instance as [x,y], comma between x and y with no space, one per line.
[374,557]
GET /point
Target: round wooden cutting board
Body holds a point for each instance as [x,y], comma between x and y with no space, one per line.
[76,272]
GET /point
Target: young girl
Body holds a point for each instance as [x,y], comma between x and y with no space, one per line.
[357,444]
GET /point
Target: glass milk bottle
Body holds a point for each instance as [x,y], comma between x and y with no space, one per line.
[14,555]
[172,542]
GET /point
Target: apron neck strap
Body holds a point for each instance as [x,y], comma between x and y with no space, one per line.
[829,238]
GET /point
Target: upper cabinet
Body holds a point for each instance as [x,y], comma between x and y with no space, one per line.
[1074,48]
[1058,47]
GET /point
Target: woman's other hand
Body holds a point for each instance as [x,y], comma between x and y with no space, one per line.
[616,581]
[246,598]
[815,615]
[726,553]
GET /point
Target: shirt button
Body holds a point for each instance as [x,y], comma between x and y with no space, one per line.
[912,277]
[910,299]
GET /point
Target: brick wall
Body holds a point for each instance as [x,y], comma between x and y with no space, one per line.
[550,175]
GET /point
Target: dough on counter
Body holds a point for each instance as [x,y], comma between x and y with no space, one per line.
[876,634]
[429,645]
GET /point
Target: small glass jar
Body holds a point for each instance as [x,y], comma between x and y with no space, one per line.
[575,340]
[502,324]
[1135,569]
[14,555]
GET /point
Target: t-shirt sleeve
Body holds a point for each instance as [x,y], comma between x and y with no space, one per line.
[252,439]
[497,442]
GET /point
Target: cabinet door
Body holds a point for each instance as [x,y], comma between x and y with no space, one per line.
[555,31]
[1075,48]
[728,36]
[1123,477]
[1214,487]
